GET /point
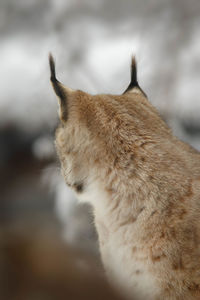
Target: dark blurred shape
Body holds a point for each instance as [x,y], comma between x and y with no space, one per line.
[191,128]
[39,266]
[20,175]
[13,142]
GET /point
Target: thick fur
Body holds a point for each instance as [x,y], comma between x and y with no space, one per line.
[144,185]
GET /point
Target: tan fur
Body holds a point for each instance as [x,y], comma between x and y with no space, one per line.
[144,185]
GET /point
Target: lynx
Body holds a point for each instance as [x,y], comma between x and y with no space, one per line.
[118,154]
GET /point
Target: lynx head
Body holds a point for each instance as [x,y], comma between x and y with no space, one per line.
[103,139]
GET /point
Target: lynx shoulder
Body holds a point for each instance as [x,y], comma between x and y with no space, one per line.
[144,184]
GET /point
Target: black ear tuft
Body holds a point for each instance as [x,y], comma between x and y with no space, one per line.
[52,68]
[134,82]
[58,88]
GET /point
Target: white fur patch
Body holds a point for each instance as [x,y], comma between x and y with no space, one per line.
[94,194]
[135,90]
[127,276]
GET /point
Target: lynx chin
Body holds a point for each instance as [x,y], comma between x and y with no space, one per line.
[143,183]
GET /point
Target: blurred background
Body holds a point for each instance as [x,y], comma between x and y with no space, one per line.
[92,42]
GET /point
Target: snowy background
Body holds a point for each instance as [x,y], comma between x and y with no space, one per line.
[92,42]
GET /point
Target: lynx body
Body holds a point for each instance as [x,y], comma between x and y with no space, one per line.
[144,184]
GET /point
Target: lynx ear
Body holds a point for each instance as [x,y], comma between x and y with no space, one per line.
[61,91]
[134,86]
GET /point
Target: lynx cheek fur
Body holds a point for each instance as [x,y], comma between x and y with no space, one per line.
[144,184]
